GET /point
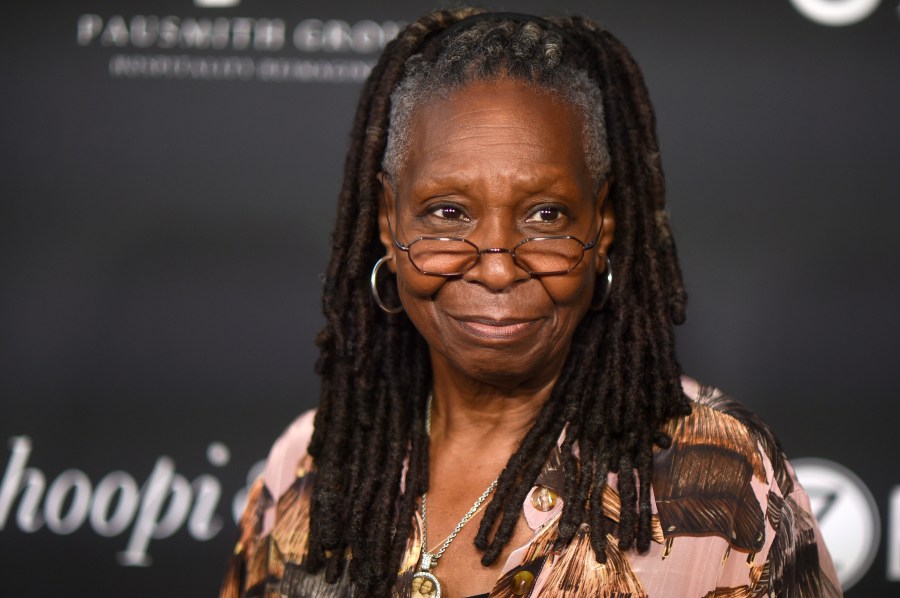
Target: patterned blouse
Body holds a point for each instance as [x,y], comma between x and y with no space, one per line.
[730,521]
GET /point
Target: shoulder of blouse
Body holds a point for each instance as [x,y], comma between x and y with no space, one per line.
[796,552]
[725,420]
[248,569]
[287,452]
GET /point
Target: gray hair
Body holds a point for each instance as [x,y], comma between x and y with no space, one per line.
[489,51]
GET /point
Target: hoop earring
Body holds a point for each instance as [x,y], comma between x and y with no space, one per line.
[374,283]
[607,289]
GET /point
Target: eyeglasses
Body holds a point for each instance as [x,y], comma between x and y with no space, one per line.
[454,256]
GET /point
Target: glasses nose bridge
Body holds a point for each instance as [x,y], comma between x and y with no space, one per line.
[495,234]
[496,273]
[495,250]
[498,251]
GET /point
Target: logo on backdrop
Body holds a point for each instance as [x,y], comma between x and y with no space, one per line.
[836,13]
[236,48]
[274,49]
[116,505]
[847,515]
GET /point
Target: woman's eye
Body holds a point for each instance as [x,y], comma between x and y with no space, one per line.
[545,215]
[449,213]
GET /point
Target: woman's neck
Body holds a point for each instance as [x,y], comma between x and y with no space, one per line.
[490,416]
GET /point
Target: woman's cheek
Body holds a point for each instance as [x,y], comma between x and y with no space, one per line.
[417,286]
[570,289]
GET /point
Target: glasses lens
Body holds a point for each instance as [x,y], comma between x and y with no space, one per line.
[547,256]
[443,256]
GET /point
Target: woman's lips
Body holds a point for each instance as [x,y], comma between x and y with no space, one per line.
[488,328]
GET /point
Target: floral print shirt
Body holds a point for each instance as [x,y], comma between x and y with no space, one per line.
[730,521]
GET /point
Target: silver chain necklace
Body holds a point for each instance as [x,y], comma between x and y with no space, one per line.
[429,560]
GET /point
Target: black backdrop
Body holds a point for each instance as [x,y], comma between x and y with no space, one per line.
[169,172]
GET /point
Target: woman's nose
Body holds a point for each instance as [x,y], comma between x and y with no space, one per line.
[496,269]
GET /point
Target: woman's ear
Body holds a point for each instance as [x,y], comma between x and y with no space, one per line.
[386,203]
[606,215]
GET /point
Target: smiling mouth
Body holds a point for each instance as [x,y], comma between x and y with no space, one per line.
[506,329]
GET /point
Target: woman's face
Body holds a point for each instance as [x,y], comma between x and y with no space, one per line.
[496,162]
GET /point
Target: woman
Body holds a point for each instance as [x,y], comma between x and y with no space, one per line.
[502,410]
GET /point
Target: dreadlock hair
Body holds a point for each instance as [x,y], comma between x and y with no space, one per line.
[621,380]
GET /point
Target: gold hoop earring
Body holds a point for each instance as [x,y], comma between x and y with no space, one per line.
[607,288]
[373,280]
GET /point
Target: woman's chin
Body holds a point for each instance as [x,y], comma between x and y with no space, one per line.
[494,366]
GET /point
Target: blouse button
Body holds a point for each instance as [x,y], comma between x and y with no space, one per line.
[521,583]
[543,498]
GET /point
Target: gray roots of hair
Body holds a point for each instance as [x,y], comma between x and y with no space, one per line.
[541,50]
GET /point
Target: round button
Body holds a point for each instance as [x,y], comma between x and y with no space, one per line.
[521,583]
[543,498]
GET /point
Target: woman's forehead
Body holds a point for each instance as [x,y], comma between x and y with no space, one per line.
[500,128]
[498,102]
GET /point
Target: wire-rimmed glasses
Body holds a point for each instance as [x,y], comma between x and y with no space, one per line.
[454,256]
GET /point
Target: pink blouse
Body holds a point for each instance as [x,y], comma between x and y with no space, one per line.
[730,520]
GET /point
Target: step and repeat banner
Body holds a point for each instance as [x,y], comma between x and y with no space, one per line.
[169,174]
